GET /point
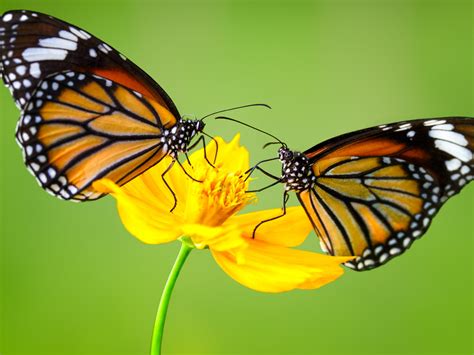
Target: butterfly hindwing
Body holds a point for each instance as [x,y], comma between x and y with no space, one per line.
[377,190]
[34,46]
[80,127]
[371,207]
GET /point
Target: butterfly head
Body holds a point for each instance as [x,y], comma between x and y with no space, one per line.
[296,170]
[285,154]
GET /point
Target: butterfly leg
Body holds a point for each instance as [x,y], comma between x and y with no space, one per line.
[257,167]
[217,147]
[276,178]
[182,167]
[286,196]
[201,139]
[187,159]
[265,187]
[175,203]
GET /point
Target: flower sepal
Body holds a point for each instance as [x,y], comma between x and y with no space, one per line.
[187,241]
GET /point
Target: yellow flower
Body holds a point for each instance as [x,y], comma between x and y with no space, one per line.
[206,213]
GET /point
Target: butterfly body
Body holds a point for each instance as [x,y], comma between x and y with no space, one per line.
[178,139]
[87,112]
[373,192]
[297,174]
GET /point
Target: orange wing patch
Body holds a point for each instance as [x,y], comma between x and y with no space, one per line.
[52,111]
[85,128]
[120,124]
[93,89]
[53,133]
[363,205]
[132,104]
[83,99]
[96,165]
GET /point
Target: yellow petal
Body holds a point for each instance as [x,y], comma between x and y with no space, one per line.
[148,221]
[269,268]
[230,156]
[289,231]
[150,187]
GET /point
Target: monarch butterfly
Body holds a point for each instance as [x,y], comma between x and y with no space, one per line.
[87,112]
[373,192]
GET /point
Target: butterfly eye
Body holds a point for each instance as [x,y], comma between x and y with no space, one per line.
[285,154]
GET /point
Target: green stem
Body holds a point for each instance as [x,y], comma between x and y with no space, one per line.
[165,298]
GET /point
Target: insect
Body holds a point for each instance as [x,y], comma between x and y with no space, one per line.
[373,192]
[87,112]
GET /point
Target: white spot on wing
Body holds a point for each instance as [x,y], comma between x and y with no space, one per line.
[35,70]
[68,35]
[434,122]
[56,42]
[453,164]
[7,17]
[79,33]
[455,150]
[450,136]
[102,47]
[84,34]
[72,189]
[36,54]
[51,172]
[21,70]
[445,127]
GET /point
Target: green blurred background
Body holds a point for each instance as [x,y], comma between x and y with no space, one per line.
[73,281]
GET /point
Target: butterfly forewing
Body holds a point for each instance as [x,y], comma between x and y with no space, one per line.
[377,190]
[35,45]
[79,127]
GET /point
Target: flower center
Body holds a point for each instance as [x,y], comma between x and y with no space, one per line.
[221,194]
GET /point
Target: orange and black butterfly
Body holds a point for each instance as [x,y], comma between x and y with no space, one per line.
[86,111]
[373,192]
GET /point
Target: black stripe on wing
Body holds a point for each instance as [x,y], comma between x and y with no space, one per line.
[378,200]
[58,90]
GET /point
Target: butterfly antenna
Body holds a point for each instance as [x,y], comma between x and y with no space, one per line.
[249,126]
[235,108]
[270,143]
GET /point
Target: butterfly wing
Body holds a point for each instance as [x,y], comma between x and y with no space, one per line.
[34,46]
[377,190]
[80,127]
